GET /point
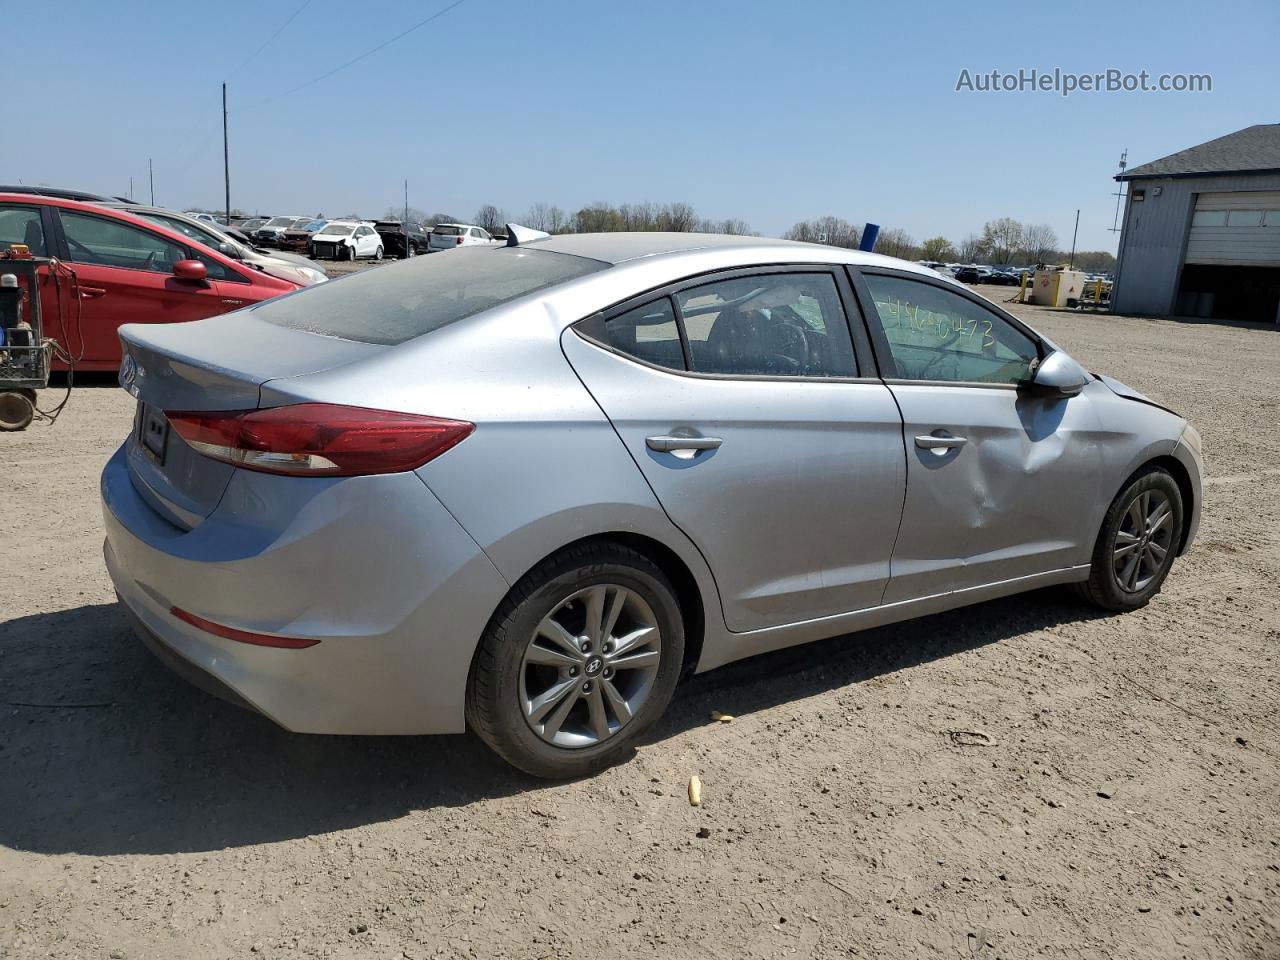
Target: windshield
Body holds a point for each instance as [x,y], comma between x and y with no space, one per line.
[311,226]
[423,294]
[338,230]
[279,222]
[188,230]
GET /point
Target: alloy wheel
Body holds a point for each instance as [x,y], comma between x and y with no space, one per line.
[590,666]
[1143,541]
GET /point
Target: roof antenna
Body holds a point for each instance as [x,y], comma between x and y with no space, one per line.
[517,235]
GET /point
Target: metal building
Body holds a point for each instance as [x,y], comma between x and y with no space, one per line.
[1201,232]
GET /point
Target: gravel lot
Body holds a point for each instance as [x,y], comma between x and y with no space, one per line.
[1125,801]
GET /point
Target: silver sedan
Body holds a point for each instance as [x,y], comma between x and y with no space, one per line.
[525,489]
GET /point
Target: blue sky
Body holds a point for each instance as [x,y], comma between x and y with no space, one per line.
[770,112]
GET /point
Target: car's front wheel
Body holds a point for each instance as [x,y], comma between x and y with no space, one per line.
[377,254]
[577,663]
[1140,537]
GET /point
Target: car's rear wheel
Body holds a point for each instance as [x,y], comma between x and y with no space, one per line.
[1140,537]
[577,663]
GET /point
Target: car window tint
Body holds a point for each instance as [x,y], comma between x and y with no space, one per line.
[647,333]
[22,225]
[934,334]
[423,294]
[780,324]
[114,244]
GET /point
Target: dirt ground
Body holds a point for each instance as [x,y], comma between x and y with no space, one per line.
[1023,778]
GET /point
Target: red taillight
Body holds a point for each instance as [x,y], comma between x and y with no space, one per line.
[242,636]
[319,439]
[459,241]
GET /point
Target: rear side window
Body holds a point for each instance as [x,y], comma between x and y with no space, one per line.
[424,294]
[780,324]
[649,333]
[22,225]
[772,325]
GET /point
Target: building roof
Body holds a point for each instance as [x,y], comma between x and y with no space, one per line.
[1254,149]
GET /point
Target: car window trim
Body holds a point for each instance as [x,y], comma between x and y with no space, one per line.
[862,355]
[880,343]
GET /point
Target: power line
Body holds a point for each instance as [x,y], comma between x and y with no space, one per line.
[246,60]
[368,53]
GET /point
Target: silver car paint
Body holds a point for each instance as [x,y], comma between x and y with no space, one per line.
[404,582]
[804,493]
[313,559]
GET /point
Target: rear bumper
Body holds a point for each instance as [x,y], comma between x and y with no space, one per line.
[376,570]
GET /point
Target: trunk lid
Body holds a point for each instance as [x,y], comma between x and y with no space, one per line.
[215,364]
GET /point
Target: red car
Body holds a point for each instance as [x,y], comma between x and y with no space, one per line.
[117,269]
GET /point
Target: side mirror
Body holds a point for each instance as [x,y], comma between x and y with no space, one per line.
[190,270]
[1058,376]
[230,250]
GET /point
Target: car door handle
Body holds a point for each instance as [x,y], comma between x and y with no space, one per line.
[672,444]
[89,293]
[930,442]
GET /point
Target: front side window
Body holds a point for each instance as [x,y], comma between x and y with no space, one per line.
[110,243]
[780,324]
[934,334]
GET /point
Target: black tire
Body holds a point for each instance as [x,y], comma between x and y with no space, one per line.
[493,707]
[377,254]
[1103,588]
[351,254]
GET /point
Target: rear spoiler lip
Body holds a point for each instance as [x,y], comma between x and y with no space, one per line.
[205,365]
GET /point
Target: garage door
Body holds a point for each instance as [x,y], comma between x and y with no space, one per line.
[1236,229]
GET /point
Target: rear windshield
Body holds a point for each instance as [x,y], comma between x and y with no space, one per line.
[279,221]
[446,231]
[392,305]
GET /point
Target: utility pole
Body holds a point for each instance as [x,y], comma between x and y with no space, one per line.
[151,175]
[1072,262]
[408,247]
[131,188]
[226,154]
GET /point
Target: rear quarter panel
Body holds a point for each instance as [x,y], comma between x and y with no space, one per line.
[544,467]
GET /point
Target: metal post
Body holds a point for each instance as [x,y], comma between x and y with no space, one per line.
[404,226]
[131,189]
[226,155]
[1072,262]
[151,175]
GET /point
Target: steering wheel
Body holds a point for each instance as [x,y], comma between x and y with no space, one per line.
[793,344]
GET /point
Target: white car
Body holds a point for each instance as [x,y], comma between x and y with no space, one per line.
[447,236]
[346,240]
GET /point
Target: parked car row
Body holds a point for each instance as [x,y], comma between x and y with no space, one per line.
[123,262]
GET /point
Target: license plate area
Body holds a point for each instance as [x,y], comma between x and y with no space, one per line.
[153,432]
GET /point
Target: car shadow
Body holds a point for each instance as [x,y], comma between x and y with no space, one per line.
[104,751]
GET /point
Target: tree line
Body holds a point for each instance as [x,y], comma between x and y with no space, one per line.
[1002,242]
